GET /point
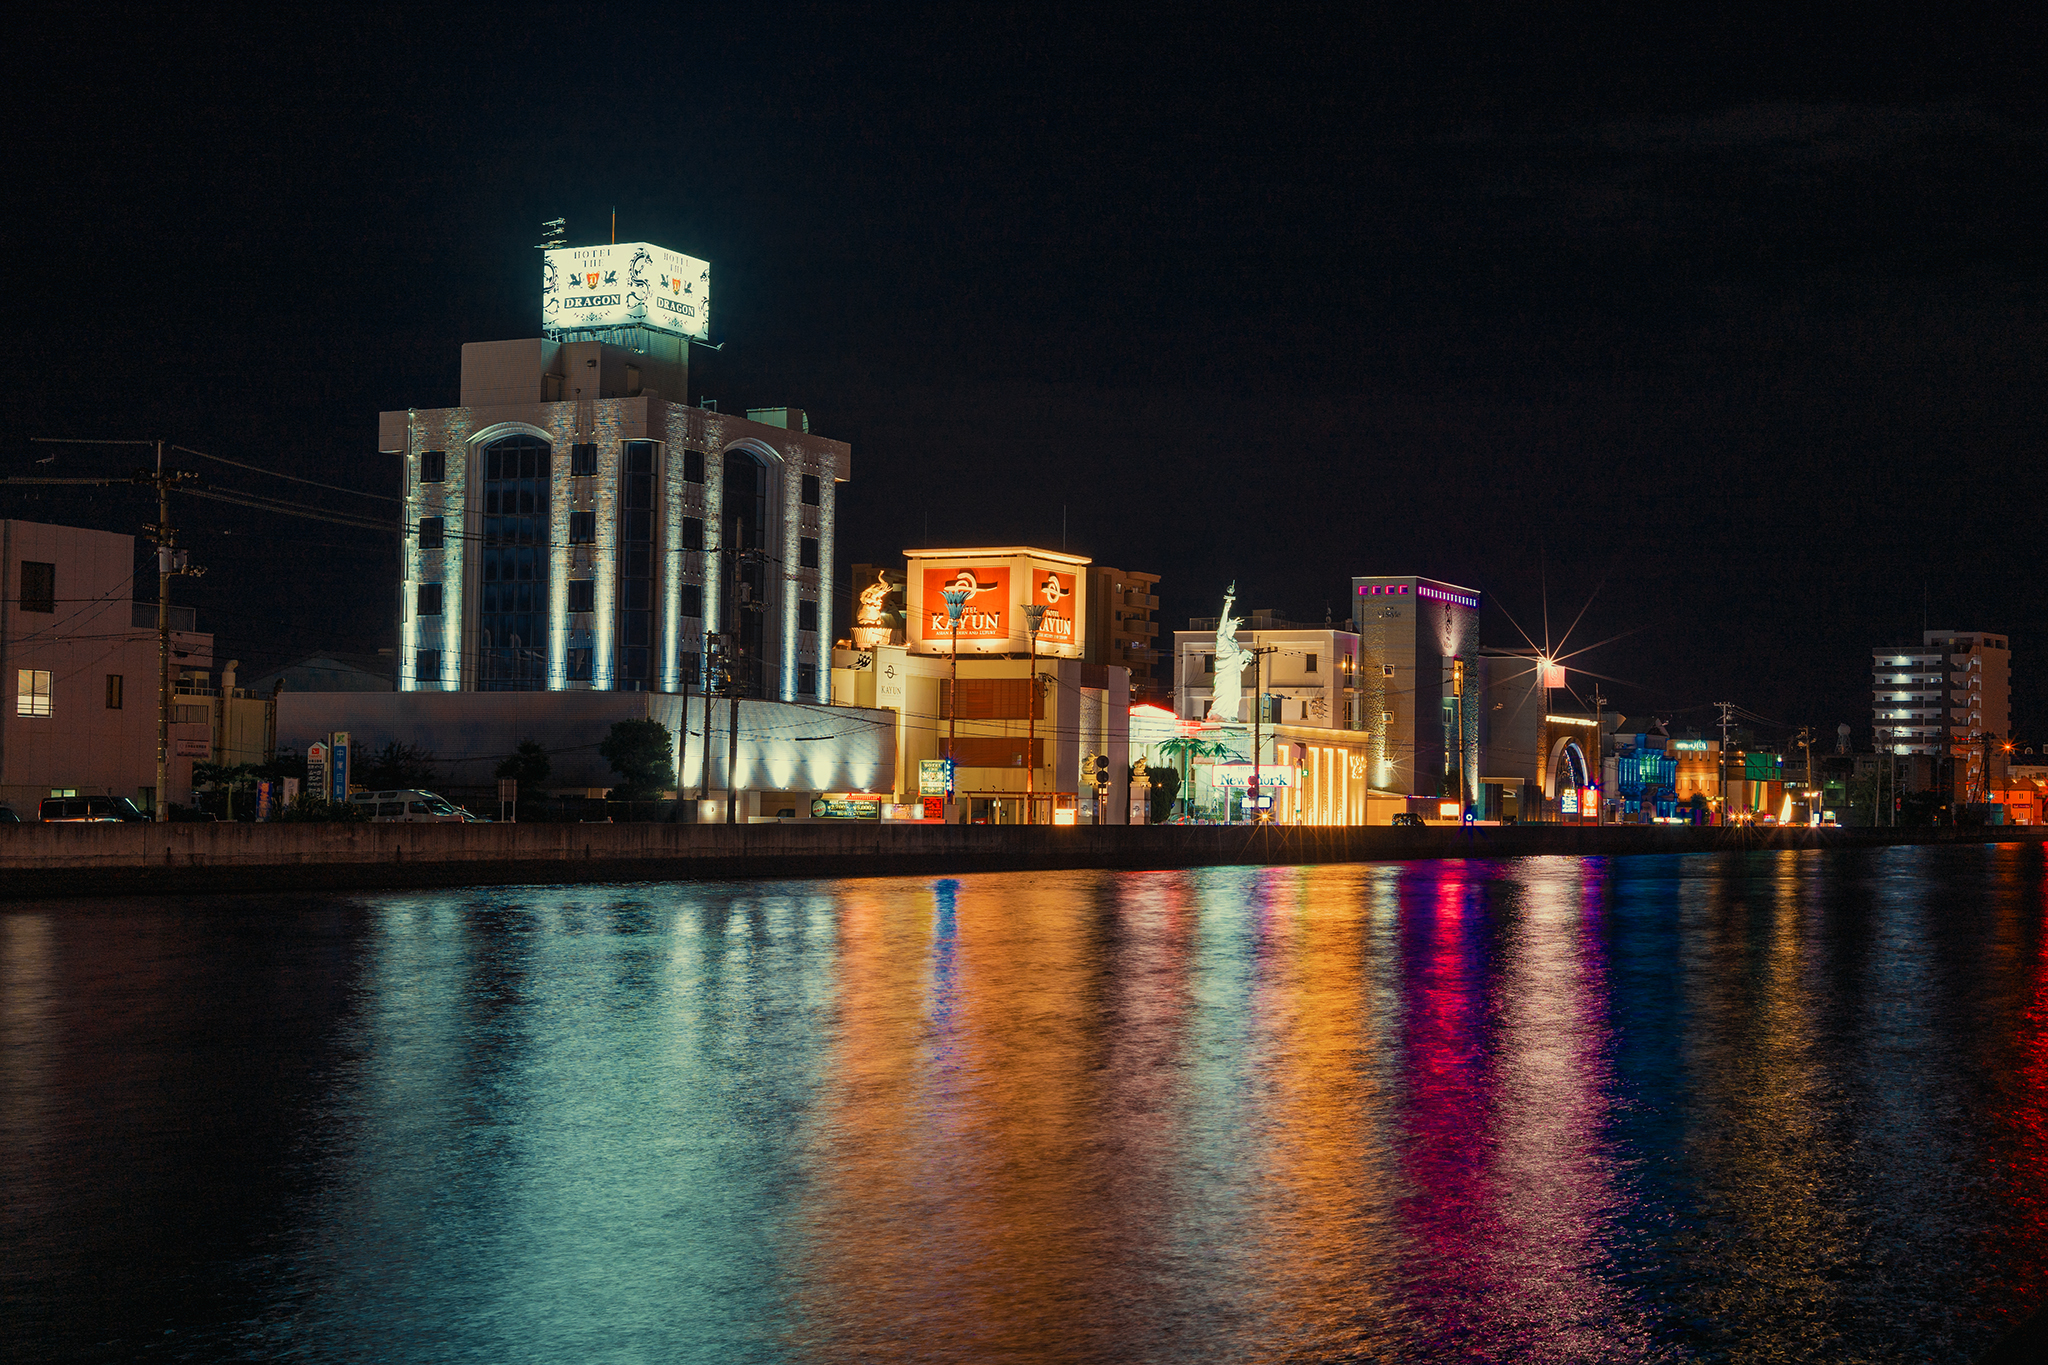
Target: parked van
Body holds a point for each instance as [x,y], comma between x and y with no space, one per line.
[89,810]
[413,806]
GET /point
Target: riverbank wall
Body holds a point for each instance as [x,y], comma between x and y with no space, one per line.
[38,861]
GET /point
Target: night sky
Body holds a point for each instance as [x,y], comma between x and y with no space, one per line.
[1740,325]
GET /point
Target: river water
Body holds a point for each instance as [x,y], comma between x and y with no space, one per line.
[1770,1106]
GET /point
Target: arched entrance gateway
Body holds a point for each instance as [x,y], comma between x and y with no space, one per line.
[1570,776]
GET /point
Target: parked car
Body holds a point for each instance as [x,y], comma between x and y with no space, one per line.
[411,806]
[7,815]
[1407,819]
[89,810]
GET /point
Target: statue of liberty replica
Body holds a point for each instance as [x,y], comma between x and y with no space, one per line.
[1231,658]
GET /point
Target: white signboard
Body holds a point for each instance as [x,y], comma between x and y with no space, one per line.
[627,284]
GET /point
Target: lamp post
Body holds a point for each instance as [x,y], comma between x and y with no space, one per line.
[1034,617]
[956,604]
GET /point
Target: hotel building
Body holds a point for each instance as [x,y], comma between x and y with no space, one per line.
[574,524]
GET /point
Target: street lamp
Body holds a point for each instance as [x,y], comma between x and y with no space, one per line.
[1034,617]
[956,604]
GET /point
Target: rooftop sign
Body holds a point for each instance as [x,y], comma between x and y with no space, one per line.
[625,284]
[1443,595]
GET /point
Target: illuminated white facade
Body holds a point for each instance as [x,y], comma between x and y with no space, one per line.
[573,524]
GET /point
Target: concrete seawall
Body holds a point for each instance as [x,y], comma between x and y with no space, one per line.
[93,860]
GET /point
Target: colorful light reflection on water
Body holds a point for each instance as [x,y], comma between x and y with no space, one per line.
[1772,1106]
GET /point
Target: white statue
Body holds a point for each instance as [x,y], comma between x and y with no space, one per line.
[1231,658]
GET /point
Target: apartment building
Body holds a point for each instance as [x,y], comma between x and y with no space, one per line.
[1945,696]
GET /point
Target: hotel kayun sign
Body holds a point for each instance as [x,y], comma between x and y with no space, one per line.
[998,586]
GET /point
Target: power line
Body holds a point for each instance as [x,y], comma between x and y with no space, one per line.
[315,483]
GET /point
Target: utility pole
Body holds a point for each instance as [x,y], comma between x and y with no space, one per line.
[956,606]
[704,776]
[170,562]
[1727,720]
[1599,758]
[1805,741]
[1258,707]
[1034,618]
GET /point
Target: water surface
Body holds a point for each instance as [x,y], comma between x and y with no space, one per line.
[1772,1106]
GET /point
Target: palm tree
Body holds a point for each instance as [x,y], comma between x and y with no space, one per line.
[1184,749]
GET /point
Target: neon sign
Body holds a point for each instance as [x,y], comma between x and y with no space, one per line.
[1440,595]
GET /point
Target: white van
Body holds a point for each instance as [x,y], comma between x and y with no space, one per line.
[413,806]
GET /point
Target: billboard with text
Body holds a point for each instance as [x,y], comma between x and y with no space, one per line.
[625,284]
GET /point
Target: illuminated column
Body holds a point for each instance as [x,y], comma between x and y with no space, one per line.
[458,551]
[604,564]
[559,557]
[788,503]
[828,502]
[715,529]
[669,577]
[409,559]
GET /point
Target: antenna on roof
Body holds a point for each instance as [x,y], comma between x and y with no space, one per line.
[615,225]
[553,233]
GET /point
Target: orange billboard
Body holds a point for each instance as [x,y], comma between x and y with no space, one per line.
[1054,591]
[987,613]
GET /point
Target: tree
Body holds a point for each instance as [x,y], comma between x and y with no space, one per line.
[1165,787]
[642,753]
[224,779]
[529,767]
[287,763]
[400,766]
[1185,749]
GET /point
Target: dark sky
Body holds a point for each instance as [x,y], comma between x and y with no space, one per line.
[1739,324]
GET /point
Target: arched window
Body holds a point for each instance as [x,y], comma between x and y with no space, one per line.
[512,610]
[746,530]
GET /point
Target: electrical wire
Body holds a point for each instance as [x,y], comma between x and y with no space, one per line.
[258,469]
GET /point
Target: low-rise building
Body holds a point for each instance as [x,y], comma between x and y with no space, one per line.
[1029,710]
[80,655]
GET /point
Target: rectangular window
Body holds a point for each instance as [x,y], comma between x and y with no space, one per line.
[807,616]
[579,665]
[582,527]
[32,692]
[113,691]
[582,459]
[693,600]
[1312,661]
[807,552]
[429,600]
[38,586]
[426,666]
[693,466]
[430,532]
[807,680]
[582,594]
[433,466]
[693,533]
[811,490]
[688,664]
